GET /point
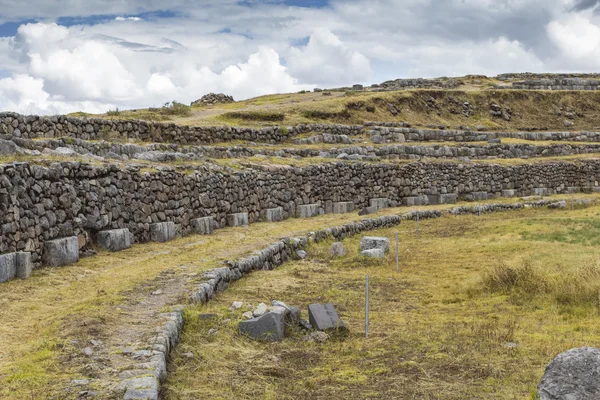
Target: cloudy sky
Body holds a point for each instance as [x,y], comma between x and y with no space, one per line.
[93,55]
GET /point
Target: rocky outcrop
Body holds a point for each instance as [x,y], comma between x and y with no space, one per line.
[213,98]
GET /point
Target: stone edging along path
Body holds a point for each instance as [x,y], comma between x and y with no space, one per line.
[145,381]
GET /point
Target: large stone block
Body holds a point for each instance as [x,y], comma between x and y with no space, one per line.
[433,199]
[479,196]
[115,239]
[23,265]
[203,226]
[373,253]
[8,267]
[269,327]
[324,317]
[415,201]
[308,210]
[343,207]
[379,203]
[509,193]
[61,252]
[374,242]
[541,192]
[237,219]
[447,198]
[162,231]
[274,214]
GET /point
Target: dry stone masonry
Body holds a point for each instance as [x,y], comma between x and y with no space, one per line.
[73,200]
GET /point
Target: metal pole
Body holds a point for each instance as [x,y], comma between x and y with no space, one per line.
[367,308]
[397,263]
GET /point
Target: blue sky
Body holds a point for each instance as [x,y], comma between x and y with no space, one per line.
[58,56]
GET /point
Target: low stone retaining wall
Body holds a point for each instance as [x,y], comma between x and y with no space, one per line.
[556,84]
[383,134]
[173,152]
[32,126]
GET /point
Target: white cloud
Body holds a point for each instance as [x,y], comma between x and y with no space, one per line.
[128,19]
[327,60]
[577,38]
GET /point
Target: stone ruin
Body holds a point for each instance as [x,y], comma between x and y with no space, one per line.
[213,98]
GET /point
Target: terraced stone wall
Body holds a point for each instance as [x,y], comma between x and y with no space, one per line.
[40,203]
[33,126]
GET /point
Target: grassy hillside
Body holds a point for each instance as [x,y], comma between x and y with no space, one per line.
[542,110]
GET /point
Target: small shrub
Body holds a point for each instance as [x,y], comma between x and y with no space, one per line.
[176,108]
[351,93]
[113,113]
[523,279]
[302,92]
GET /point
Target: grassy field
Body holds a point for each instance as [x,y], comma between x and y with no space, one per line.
[481,305]
[528,109]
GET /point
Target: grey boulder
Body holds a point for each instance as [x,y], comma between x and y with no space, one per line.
[374,242]
[337,249]
[572,375]
[60,252]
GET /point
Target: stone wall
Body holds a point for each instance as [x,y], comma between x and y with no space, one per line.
[164,152]
[33,126]
[382,134]
[40,203]
[556,84]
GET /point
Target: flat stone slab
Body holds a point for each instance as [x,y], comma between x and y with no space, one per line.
[375,242]
[509,193]
[572,375]
[115,239]
[269,327]
[61,252]
[343,207]
[8,267]
[573,189]
[324,317]
[162,231]
[379,203]
[373,253]
[24,265]
[203,226]
[307,210]
[237,219]
[274,214]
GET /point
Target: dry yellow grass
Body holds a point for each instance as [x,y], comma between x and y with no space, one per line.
[437,329]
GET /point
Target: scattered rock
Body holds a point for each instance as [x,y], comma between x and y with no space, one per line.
[301,254]
[261,309]
[304,324]
[213,331]
[324,317]
[268,327]
[80,382]
[126,350]
[248,315]
[188,355]
[96,343]
[367,211]
[157,292]
[236,305]
[337,249]
[319,337]
[572,375]
[87,351]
